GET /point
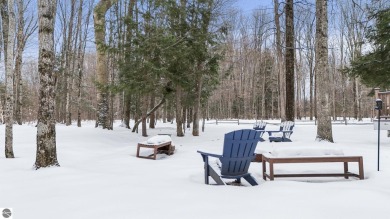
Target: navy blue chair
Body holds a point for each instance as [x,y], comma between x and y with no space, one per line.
[260,127]
[285,131]
[238,152]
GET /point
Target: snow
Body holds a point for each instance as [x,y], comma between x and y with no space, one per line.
[100,176]
[158,139]
[297,151]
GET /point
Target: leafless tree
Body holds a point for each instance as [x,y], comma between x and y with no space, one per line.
[324,127]
[9,80]
[46,133]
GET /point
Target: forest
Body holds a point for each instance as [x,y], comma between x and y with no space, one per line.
[187,61]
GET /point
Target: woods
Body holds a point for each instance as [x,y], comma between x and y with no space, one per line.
[186,61]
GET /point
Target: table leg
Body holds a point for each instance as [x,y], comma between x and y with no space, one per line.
[138,148]
[264,169]
[346,170]
[271,170]
[361,171]
[155,153]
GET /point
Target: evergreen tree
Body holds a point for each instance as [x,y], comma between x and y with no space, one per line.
[373,68]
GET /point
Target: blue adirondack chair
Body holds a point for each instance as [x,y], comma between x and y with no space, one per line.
[285,131]
[238,152]
[260,127]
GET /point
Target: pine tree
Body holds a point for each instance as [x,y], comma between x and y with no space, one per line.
[373,68]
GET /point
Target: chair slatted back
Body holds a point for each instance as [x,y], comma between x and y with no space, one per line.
[287,126]
[259,125]
[238,151]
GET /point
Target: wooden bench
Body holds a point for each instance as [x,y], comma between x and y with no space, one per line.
[342,159]
[165,148]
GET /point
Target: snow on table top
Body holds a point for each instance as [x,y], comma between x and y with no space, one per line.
[158,139]
[305,152]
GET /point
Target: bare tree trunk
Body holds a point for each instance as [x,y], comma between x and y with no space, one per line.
[144,115]
[68,69]
[127,95]
[152,116]
[9,83]
[18,64]
[324,127]
[126,116]
[149,113]
[46,134]
[282,87]
[179,112]
[290,47]
[102,72]
[198,91]
[5,27]
[164,113]
[169,111]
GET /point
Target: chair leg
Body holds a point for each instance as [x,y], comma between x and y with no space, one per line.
[209,171]
[215,176]
[251,180]
[206,169]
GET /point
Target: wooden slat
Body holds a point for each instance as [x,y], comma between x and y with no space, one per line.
[155,147]
[314,159]
[344,159]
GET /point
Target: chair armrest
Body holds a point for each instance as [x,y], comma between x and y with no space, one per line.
[270,132]
[206,156]
[258,129]
[209,154]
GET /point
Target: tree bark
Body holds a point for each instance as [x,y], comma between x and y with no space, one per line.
[282,87]
[144,115]
[46,134]
[5,24]
[179,112]
[9,83]
[126,111]
[198,92]
[102,71]
[18,64]
[152,116]
[68,69]
[149,113]
[290,47]
[324,127]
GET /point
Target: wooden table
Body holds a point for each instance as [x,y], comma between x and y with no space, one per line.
[166,148]
[342,159]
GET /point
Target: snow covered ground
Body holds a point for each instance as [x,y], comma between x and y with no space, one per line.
[100,177]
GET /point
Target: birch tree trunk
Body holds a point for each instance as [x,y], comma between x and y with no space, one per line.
[102,71]
[18,64]
[5,23]
[80,60]
[9,83]
[46,133]
[324,127]
[68,69]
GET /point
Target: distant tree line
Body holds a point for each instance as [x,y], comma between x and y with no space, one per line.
[186,60]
